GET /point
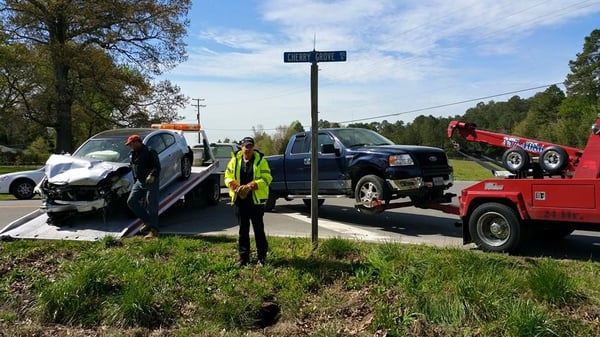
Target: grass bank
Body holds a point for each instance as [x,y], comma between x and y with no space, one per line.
[183,286]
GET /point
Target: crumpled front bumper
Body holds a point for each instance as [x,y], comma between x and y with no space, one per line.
[57,206]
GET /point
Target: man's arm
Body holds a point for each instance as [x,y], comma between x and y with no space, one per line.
[155,164]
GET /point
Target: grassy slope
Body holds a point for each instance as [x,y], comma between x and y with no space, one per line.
[182,286]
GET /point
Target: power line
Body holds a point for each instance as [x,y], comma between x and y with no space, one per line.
[450,104]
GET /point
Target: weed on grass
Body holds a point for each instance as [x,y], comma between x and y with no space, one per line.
[549,283]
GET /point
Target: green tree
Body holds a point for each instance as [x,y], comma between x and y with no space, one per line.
[145,35]
[18,68]
[321,124]
[582,104]
[542,115]
[282,135]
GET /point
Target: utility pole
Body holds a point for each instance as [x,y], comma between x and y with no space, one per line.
[198,106]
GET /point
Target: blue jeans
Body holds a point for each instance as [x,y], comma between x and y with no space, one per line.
[143,202]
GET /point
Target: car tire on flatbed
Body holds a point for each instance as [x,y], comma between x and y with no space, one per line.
[186,167]
[212,191]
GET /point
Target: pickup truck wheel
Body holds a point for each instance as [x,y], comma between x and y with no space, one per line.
[22,189]
[370,193]
[496,227]
[307,202]
[554,159]
[186,167]
[515,160]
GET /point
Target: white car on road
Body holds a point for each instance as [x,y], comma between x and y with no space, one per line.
[21,184]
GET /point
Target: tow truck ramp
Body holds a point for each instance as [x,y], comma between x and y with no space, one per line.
[102,223]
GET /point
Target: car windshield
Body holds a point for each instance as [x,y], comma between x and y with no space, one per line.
[360,137]
[222,151]
[107,149]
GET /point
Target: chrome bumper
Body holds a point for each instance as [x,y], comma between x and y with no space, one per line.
[418,183]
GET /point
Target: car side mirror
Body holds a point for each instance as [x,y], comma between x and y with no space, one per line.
[329,148]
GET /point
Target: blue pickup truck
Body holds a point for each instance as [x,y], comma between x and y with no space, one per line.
[360,164]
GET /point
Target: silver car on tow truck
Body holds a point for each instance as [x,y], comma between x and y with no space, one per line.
[97,174]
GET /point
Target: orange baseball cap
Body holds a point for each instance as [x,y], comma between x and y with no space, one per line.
[133,138]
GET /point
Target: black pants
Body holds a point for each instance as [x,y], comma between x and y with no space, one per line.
[245,213]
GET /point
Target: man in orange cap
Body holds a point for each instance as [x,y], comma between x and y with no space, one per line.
[143,199]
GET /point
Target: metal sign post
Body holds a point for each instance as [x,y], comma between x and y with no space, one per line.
[314,57]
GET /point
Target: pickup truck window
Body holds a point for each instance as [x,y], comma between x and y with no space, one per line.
[302,143]
[299,145]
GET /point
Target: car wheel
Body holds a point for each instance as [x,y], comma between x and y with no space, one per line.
[23,189]
[370,193]
[515,160]
[212,191]
[307,202]
[554,159]
[186,167]
[495,227]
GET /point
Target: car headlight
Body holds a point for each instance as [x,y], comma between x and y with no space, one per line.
[400,160]
[3,178]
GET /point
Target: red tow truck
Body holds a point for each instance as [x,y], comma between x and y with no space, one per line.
[550,190]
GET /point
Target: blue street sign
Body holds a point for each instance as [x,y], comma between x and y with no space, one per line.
[315,56]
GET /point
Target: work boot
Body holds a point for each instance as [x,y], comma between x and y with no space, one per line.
[145,229]
[241,262]
[152,234]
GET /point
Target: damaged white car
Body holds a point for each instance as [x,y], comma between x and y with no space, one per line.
[98,175]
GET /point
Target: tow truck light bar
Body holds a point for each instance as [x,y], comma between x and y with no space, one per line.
[178,126]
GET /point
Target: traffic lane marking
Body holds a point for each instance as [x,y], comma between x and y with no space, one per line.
[345,230]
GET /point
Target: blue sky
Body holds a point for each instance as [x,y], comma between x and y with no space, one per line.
[405,58]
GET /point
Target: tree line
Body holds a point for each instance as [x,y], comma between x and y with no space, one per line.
[70,69]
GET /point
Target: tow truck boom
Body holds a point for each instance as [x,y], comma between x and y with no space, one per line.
[553,159]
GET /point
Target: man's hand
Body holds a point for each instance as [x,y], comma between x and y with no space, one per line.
[242,191]
[233,185]
[150,179]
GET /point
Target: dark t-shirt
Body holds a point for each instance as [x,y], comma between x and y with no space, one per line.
[145,162]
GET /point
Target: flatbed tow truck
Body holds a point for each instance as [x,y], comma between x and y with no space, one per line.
[96,225]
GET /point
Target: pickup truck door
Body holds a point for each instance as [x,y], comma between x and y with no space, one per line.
[331,166]
[298,166]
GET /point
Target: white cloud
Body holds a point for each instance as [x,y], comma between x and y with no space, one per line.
[402,56]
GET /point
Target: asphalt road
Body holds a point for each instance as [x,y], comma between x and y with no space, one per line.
[338,218]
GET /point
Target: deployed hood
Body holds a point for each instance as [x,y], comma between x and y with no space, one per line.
[68,170]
